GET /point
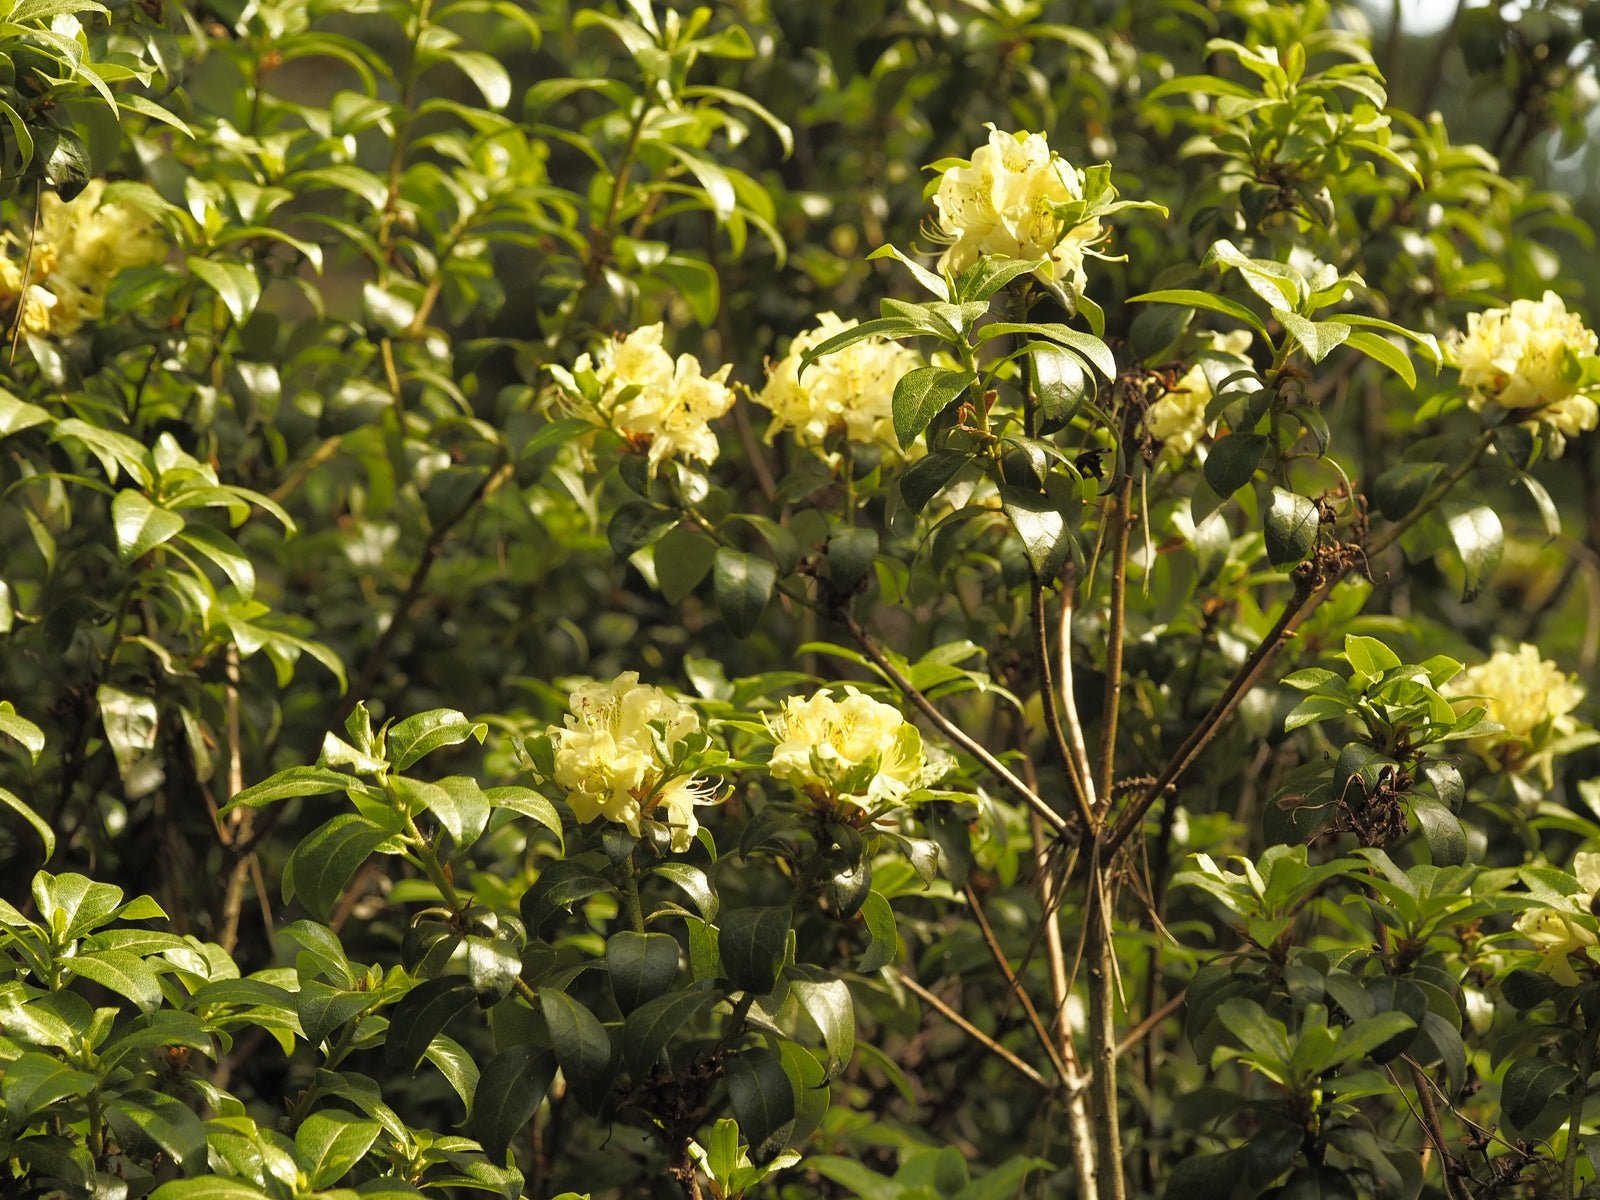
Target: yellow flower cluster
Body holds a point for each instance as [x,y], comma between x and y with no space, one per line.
[1536,359]
[1179,417]
[78,249]
[848,748]
[1557,934]
[1001,204]
[1528,695]
[656,402]
[849,392]
[609,757]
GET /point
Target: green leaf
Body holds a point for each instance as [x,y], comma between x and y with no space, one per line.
[763,1101]
[1529,1085]
[827,1002]
[235,282]
[332,1142]
[323,1009]
[1317,338]
[291,783]
[327,857]
[212,1187]
[894,328]
[927,477]
[21,729]
[560,885]
[693,881]
[1233,461]
[753,943]
[581,1046]
[1206,300]
[850,552]
[1400,489]
[121,972]
[493,966]
[923,394]
[130,723]
[1381,350]
[1442,830]
[683,557]
[1291,527]
[37,823]
[1480,540]
[17,415]
[742,585]
[419,1017]
[989,274]
[641,966]
[508,1094]
[885,933]
[925,277]
[145,1120]
[141,526]
[72,905]
[636,525]
[648,1028]
[1061,385]
[1088,347]
[418,736]
[1043,528]
[33,1081]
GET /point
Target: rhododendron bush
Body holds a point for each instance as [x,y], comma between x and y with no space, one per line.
[945,599]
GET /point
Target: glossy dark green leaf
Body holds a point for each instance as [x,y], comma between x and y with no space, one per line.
[648,1028]
[509,1093]
[422,734]
[1291,523]
[1042,527]
[493,965]
[1233,460]
[849,554]
[927,477]
[33,1081]
[695,882]
[148,1120]
[581,1046]
[763,1101]
[326,858]
[559,886]
[742,586]
[827,1002]
[420,1014]
[753,943]
[642,966]
[1400,489]
[636,524]
[1442,830]
[1480,540]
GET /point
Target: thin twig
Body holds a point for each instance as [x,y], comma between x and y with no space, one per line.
[972,1031]
[1133,1037]
[948,727]
[1069,695]
[1050,701]
[1123,514]
[1015,985]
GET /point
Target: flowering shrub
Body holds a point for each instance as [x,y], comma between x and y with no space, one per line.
[1060,772]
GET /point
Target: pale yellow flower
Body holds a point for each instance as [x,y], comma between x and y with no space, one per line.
[609,756]
[1530,359]
[657,402]
[1179,417]
[79,248]
[849,392]
[846,748]
[999,204]
[1556,933]
[1530,696]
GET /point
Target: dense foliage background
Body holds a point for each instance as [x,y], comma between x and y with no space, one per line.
[1164,846]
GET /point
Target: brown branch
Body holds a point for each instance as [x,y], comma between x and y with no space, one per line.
[1015,986]
[1114,637]
[972,1031]
[1050,701]
[1135,1035]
